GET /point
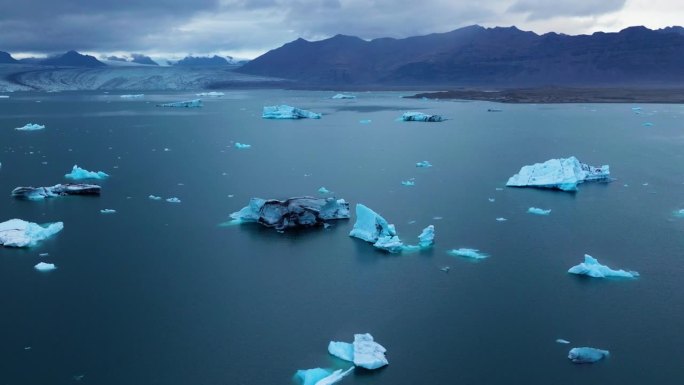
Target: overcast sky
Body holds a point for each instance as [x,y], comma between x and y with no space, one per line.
[248,28]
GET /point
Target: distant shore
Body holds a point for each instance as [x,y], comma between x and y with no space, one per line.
[563,95]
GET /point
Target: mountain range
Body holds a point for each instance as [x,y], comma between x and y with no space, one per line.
[478,56]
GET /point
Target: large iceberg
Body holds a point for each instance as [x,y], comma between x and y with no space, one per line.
[587,355]
[20,233]
[364,352]
[30,127]
[293,212]
[79,173]
[563,174]
[38,193]
[593,268]
[287,112]
[320,376]
[421,117]
[372,227]
[184,104]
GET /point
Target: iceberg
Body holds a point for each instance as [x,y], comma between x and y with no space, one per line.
[421,117]
[4,96]
[38,193]
[427,237]
[294,212]
[108,211]
[79,173]
[20,233]
[173,200]
[136,96]
[42,266]
[30,127]
[468,253]
[563,174]
[212,94]
[320,376]
[287,112]
[587,355]
[373,228]
[343,96]
[593,268]
[323,190]
[155,198]
[242,145]
[423,164]
[184,104]
[364,351]
[335,377]
[408,183]
[538,211]
[501,219]
[562,341]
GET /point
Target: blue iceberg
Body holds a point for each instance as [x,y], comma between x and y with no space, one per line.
[79,173]
[468,253]
[287,112]
[320,376]
[373,228]
[30,127]
[20,233]
[343,96]
[563,174]
[39,193]
[365,352]
[342,350]
[423,164]
[293,212]
[194,103]
[587,355]
[420,117]
[538,211]
[427,237]
[242,145]
[593,268]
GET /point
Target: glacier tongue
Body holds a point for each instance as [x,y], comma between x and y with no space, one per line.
[563,174]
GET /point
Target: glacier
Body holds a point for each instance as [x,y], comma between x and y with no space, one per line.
[320,376]
[30,127]
[563,174]
[372,227]
[423,164]
[593,268]
[343,96]
[287,112]
[242,145]
[587,355]
[294,212]
[468,253]
[538,211]
[42,266]
[20,233]
[194,103]
[364,351]
[79,173]
[39,193]
[420,117]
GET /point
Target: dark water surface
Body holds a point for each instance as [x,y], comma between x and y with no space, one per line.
[158,293]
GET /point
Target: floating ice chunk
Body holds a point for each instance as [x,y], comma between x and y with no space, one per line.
[501,219]
[242,145]
[445,269]
[392,244]
[212,94]
[42,266]
[79,173]
[593,268]
[679,213]
[43,254]
[365,121]
[421,117]
[155,198]
[468,253]
[136,96]
[648,124]
[30,127]
[563,174]
[287,112]
[335,377]
[108,211]
[173,200]
[38,193]
[427,237]
[424,164]
[184,104]
[343,96]
[368,354]
[293,212]
[562,341]
[587,355]
[4,96]
[408,183]
[323,190]
[373,228]
[311,376]
[538,211]
[341,350]
[20,233]
[491,199]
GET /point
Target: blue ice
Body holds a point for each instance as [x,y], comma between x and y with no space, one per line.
[408,182]
[563,174]
[30,127]
[468,253]
[341,350]
[538,211]
[587,355]
[242,145]
[423,164]
[287,112]
[323,190]
[592,268]
[20,233]
[373,228]
[78,173]
[311,376]
[42,266]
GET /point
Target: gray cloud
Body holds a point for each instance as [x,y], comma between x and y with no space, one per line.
[540,9]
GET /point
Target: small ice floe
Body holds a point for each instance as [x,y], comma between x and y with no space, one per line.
[323,190]
[468,253]
[562,341]
[212,94]
[644,184]
[592,268]
[499,189]
[501,219]
[194,103]
[343,96]
[173,200]
[154,198]
[42,266]
[364,352]
[135,96]
[437,218]
[373,228]
[648,124]
[491,200]
[43,255]
[423,164]
[538,211]
[320,376]
[242,145]
[287,112]
[445,269]
[420,117]
[39,193]
[365,121]
[563,174]
[679,213]
[108,211]
[78,173]
[409,182]
[30,127]
[166,149]
[20,233]
[587,355]
[293,212]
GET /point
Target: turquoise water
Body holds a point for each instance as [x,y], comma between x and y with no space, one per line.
[158,293]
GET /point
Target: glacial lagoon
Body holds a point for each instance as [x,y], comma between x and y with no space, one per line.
[162,293]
